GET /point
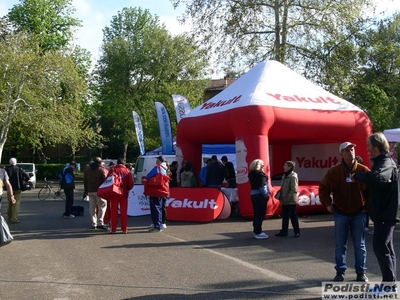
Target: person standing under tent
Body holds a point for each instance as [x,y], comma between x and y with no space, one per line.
[215,173]
[230,175]
[203,173]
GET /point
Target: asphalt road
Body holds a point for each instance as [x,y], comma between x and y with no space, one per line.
[55,258]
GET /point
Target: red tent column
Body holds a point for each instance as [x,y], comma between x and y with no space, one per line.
[249,148]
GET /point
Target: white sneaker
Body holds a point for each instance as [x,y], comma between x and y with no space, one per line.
[261,236]
[71,216]
[164,226]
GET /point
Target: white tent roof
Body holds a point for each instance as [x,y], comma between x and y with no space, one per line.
[392,135]
[270,83]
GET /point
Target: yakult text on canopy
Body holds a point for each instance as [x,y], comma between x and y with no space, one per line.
[209,104]
[296,98]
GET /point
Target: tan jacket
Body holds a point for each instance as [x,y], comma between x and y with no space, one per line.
[348,197]
[289,189]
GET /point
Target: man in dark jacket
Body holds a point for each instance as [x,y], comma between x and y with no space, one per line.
[93,177]
[17,178]
[384,203]
[230,174]
[215,173]
[68,184]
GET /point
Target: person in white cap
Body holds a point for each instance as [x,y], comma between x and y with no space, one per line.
[348,204]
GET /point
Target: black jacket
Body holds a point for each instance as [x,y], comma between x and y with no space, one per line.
[257,179]
[215,173]
[68,178]
[383,188]
[17,177]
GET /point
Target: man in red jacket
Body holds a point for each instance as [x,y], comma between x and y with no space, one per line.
[127,184]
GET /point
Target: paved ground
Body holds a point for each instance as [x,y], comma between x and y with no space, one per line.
[55,258]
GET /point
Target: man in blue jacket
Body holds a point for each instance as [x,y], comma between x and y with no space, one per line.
[68,184]
[203,173]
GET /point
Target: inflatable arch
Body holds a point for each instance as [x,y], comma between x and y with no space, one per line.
[274,114]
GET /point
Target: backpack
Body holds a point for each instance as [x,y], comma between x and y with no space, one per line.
[68,177]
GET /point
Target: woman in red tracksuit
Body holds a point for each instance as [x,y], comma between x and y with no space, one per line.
[122,200]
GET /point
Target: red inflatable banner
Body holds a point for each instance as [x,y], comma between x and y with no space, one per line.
[196,204]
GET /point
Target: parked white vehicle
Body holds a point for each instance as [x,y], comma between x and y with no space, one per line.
[31,170]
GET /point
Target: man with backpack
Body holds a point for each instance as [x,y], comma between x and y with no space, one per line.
[18,179]
[68,184]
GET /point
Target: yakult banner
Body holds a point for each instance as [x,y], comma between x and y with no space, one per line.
[139,132]
[314,160]
[196,204]
[182,106]
[165,129]
[138,204]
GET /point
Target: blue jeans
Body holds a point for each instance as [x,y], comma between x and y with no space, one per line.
[356,225]
[156,208]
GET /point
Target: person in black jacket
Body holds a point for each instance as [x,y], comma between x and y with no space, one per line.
[230,174]
[384,203]
[68,184]
[17,178]
[257,179]
[215,173]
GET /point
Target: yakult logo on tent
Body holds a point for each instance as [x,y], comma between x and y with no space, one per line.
[195,204]
[296,98]
[314,162]
[305,200]
[220,103]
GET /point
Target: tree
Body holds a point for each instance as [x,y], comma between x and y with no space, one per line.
[42,96]
[49,21]
[376,84]
[245,32]
[142,63]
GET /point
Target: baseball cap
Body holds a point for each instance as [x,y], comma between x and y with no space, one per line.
[160,158]
[345,145]
[111,164]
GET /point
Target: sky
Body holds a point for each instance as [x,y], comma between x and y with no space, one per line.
[96,14]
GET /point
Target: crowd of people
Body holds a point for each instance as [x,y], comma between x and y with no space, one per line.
[351,191]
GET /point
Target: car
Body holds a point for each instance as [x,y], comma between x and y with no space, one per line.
[108,160]
[31,170]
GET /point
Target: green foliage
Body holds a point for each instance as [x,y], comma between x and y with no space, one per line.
[141,63]
[49,171]
[42,96]
[49,21]
[291,32]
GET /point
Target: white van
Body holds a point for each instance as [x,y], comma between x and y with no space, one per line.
[145,163]
[31,170]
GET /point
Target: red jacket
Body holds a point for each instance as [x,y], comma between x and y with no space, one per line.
[126,176]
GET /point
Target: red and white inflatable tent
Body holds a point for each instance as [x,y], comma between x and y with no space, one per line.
[275,114]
